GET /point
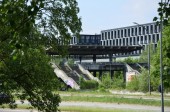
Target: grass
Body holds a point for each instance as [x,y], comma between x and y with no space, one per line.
[80,109]
[113,99]
[93,109]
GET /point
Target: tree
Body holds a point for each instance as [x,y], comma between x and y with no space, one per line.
[27,29]
[163,12]
[166,58]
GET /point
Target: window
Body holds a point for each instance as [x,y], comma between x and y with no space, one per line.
[129,32]
[125,33]
[147,28]
[112,35]
[118,33]
[156,28]
[121,33]
[102,36]
[108,35]
[132,31]
[115,34]
[136,31]
[105,35]
[151,29]
[139,30]
[157,37]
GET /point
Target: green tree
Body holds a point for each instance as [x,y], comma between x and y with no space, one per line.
[28,28]
[164,12]
[166,58]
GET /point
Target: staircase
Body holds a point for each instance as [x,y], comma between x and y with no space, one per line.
[76,68]
[66,79]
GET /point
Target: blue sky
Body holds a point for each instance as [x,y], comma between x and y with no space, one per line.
[100,15]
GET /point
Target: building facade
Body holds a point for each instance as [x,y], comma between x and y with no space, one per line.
[143,35]
[86,40]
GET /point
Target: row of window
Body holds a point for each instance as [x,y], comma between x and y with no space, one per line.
[86,40]
[131,31]
[139,40]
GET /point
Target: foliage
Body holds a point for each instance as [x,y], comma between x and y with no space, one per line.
[116,83]
[133,85]
[143,81]
[130,60]
[88,84]
[28,29]
[164,12]
[166,58]
[144,54]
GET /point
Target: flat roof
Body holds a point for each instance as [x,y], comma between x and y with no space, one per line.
[94,49]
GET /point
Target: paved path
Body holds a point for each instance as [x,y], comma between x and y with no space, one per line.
[102,105]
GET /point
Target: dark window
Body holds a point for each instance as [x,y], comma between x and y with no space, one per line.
[115,34]
[112,34]
[102,36]
[144,30]
[151,29]
[121,33]
[105,35]
[149,38]
[147,28]
[113,42]
[108,35]
[139,30]
[130,40]
[134,39]
[136,31]
[138,40]
[123,41]
[125,33]
[129,32]
[132,31]
[156,28]
[127,40]
[141,39]
[118,33]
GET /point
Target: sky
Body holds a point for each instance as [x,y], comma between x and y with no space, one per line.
[97,15]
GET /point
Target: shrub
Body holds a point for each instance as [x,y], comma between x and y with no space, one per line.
[89,84]
[133,85]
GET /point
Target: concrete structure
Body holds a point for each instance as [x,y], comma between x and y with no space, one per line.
[132,36]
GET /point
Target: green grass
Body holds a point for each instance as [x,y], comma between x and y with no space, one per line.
[113,99]
[93,109]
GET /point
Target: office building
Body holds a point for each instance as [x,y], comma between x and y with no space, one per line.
[132,36]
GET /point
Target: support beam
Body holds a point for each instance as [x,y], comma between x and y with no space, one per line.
[110,57]
[80,58]
[94,73]
[94,58]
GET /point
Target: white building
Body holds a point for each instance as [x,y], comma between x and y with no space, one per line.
[132,35]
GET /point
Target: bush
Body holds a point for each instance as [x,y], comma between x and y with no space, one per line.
[133,85]
[89,84]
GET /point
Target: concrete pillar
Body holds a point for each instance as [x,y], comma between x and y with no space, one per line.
[80,58]
[110,57]
[94,58]
[94,73]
